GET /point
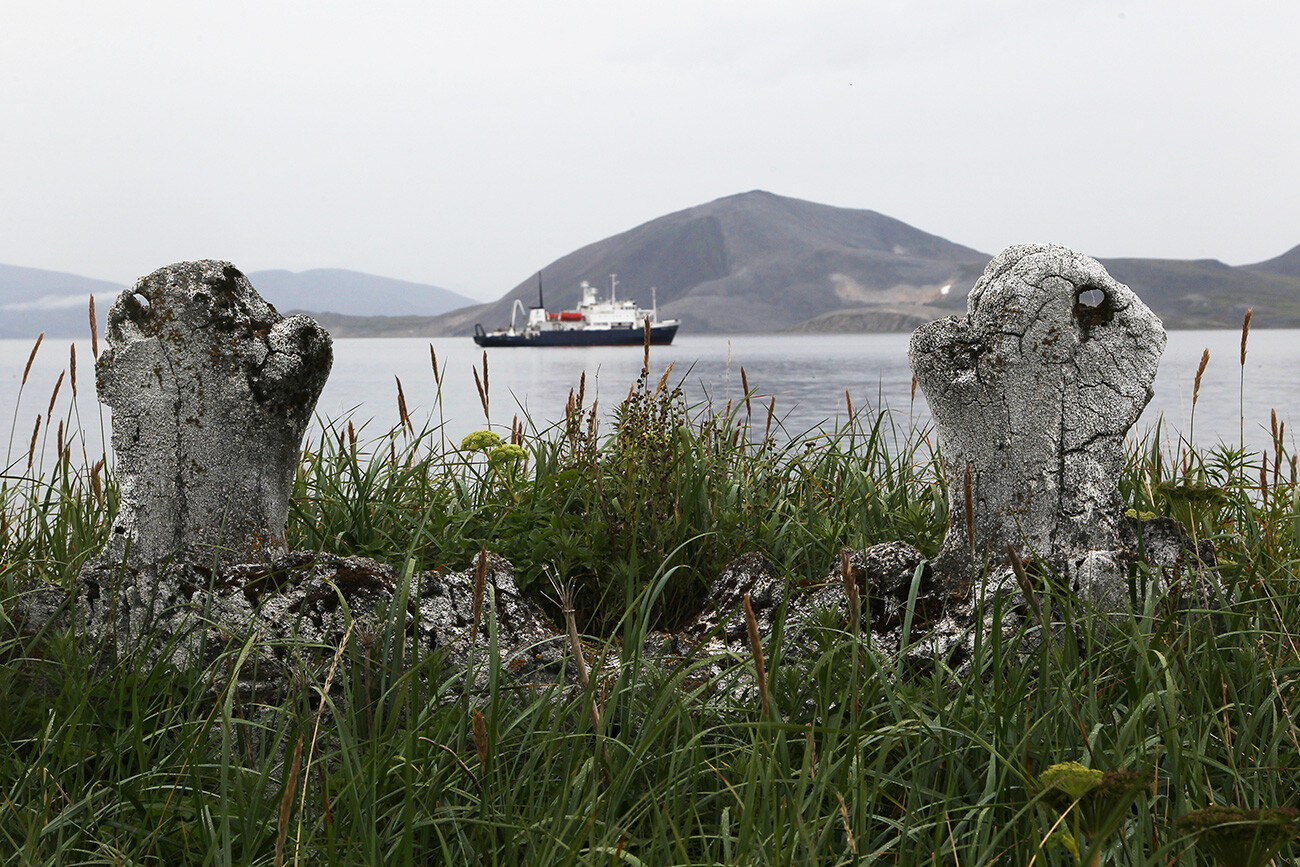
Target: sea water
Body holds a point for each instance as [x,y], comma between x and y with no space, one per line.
[808,376]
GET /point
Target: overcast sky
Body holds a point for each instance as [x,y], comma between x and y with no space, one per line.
[467,144]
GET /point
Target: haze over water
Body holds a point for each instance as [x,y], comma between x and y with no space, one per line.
[807,374]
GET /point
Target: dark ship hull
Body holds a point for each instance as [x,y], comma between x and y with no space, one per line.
[660,335]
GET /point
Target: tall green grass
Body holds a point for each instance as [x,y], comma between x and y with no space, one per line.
[374,763]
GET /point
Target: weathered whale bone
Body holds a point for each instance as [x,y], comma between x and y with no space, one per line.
[211,391]
[1032,393]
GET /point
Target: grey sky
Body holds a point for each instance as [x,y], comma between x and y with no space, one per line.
[467,144]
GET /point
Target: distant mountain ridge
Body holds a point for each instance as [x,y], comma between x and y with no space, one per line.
[34,301]
[758,262]
[752,262]
[352,293]
[748,263]
[1286,265]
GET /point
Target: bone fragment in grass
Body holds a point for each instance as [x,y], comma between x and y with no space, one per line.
[1031,349]
[207,421]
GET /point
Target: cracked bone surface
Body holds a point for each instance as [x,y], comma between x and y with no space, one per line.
[211,391]
[1033,391]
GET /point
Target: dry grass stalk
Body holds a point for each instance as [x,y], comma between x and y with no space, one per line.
[402,414]
[1022,578]
[95,487]
[1278,431]
[645,357]
[1245,332]
[663,380]
[771,411]
[848,832]
[72,366]
[315,732]
[582,388]
[480,586]
[565,593]
[851,591]
[286,803]
[1196,386]
[482,393]
[31,358]
[848,402]
[433,360]
[914,389]
[756,648]
[481,740]
[968,490]
[94,331]
[58,441]
[31,449]
[54,395]
[744,385]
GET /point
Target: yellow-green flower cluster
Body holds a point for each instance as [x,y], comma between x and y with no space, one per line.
[1071,778]
[506,454]
[480,441]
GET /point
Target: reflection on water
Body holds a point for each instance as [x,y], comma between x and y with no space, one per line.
[807,374]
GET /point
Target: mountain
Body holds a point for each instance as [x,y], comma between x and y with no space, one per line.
[351,293]
[752,262]
[33,300]
[1206,293]
[1286,265]
[758,262]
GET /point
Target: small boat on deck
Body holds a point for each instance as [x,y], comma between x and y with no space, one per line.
[594,323]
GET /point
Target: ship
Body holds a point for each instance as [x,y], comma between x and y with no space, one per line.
[594,323]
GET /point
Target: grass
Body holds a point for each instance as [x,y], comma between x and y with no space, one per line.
[371,763]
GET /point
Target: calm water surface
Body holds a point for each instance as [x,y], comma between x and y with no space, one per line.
[807,374]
